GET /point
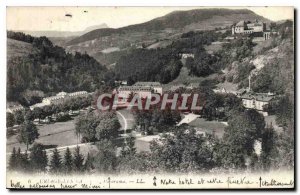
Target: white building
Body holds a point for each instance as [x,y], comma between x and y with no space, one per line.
[156,86]
[187,55]
[14,108]
[257,101]
[124,92]
[247,27]
[59,98]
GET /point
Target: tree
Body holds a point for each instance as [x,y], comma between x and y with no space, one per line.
[29,115]
[106,160]
[12,163]
[107,128]
[268,147]
[129,149]
[28,133]
[19,117]
[88,165]
[10,120]
[239,137]
[78,160]
[257,119]
[38,157]
[86,126]
[68,161]
[185,151]
[38,113]
[55,163]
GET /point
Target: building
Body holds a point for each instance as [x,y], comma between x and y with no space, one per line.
[121,82]
[14,108]
[156,86]
[256,29]
[142,89]
[257,101]
[243,27]
[187,55]
[125,91]
[59,98]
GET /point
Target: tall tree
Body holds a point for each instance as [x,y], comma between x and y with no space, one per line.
[108,128]
[19,117]
[88,165]
[38,157]
[183,151]
[55,163]
[10,120]
[28,133]
[12,163]
[239,137]
[106,160]
[68,161]
[78,160]
[129,149]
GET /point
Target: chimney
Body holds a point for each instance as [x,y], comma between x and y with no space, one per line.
[249,87]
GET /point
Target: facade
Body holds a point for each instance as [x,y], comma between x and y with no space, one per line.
[156,86]
[243,27]
[142,89]
[187,55]
[125,91]
[59,98]
[256,28]
[257,101]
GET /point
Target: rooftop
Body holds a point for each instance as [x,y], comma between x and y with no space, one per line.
[135,88]
[148,84]
[240,23]
[264,97]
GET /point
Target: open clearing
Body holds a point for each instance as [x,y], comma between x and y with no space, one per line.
[51,135]
[210,126]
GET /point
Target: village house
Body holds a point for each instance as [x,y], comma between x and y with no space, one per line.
[257,101]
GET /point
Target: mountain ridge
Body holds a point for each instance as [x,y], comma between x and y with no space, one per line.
[55,33]
[175,20]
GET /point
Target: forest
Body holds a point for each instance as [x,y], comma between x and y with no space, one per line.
[50,70]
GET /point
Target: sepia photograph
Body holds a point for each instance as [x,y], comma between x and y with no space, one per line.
[150,97]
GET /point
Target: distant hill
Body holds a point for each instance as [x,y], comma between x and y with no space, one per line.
[36,64]
[198,19]
[65,33]
[19,49]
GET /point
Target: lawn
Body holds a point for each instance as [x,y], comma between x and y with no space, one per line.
[209,126]
[52,135]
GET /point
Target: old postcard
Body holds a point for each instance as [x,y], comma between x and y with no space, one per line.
[150,98]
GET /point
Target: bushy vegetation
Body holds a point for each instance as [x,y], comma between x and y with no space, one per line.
[91,126]
[161,65]
[37,161]
[61,111]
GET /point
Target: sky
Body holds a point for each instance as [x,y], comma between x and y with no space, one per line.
[54,19]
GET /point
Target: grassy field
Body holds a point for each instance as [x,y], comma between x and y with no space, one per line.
[18,49]
[209,126]
[184,77]
[52,135]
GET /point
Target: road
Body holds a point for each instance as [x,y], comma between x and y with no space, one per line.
[124,121]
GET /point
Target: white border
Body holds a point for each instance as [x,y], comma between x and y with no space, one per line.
[111,3]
